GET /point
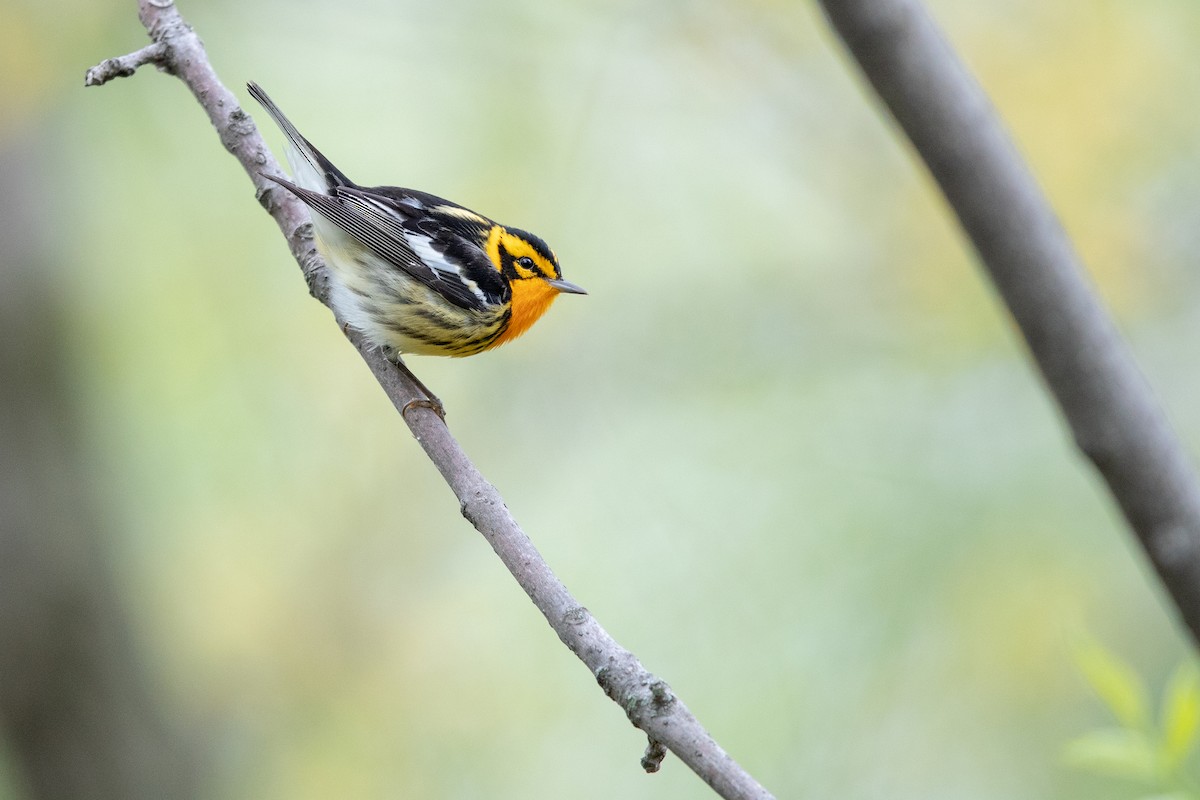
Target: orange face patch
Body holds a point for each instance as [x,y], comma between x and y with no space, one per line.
[530,299]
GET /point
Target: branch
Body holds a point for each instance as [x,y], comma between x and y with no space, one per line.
[647,700]
[1111,410]
[124,66]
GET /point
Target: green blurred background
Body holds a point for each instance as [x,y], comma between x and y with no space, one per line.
[788,450]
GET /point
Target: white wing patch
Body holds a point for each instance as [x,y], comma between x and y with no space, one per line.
[423,246]
[385,231]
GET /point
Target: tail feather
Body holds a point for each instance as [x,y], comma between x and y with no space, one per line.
[311,170]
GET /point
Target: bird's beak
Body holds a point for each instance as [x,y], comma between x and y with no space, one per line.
[566,286]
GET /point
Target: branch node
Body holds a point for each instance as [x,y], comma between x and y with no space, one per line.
[604,678]
[656,751]
[661,694]
[576,616]
[467,505]
[238,127]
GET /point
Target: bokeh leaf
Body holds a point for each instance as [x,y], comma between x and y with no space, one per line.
[1116,683]
[1181,713]
[1115,752]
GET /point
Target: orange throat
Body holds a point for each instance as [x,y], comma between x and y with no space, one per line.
[530,299]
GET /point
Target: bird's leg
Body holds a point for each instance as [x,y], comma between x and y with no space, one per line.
[430,400]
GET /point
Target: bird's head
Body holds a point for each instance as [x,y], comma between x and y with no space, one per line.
[533,273]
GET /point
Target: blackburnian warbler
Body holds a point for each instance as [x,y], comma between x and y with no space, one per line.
[416,273]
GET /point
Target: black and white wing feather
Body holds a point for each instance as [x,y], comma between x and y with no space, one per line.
[310,168]
[402,232]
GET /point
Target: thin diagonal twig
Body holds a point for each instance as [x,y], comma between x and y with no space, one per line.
[647,700]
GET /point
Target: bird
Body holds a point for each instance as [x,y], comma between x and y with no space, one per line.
[413,272]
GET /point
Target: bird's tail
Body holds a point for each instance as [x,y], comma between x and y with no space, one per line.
[310,169]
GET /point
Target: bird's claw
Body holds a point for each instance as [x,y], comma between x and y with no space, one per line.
[431,403]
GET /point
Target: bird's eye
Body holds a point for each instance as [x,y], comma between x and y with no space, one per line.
[526,262]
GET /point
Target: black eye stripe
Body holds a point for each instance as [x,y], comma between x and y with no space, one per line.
[538,261]
[509,264]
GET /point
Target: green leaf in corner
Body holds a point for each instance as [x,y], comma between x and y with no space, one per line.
[1116,684]
[1181,713]
[1114,752]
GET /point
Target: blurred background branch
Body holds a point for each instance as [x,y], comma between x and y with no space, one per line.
[1089,369]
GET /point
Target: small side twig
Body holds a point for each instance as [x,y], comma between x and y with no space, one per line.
[646,700]
[656,751]
[124,66]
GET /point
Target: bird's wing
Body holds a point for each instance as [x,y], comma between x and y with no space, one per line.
[428,255]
